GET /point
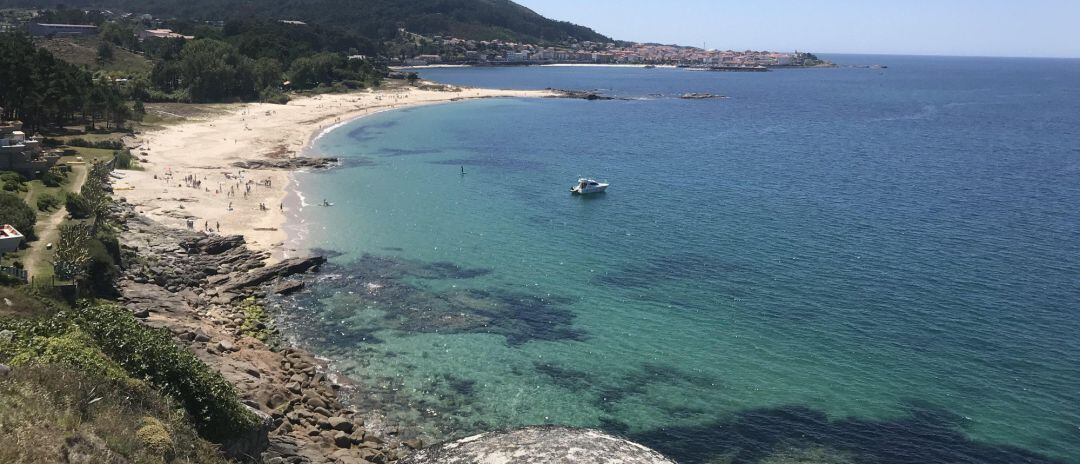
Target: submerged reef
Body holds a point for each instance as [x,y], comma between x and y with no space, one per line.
[394,288]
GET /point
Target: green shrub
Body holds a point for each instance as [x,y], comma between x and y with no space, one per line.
[53,177]
[47,202]
[272,95]
[77,206]
[125,160]
[102,270]
[150,354]
[52,413]
[13,181]
[72,349]
[102,144]
[15,211]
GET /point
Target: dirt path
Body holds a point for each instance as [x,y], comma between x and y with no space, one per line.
[48,229]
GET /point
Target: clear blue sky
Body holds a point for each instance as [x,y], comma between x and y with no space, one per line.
[919,27]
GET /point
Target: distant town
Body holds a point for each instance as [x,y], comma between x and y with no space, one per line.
[416,50]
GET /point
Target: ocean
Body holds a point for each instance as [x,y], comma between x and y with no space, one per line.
[828,265]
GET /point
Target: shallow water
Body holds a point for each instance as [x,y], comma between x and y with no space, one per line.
[844,264]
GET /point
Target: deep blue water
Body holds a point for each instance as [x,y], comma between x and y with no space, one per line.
[847,265]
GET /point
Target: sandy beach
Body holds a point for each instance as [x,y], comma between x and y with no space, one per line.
[189,178]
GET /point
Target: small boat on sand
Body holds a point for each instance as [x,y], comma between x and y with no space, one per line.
[587,186]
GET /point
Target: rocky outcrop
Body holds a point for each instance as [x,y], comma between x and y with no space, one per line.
[292,266]
[187,282]
[288,164]
[699,96]
[581,94]
[542,444]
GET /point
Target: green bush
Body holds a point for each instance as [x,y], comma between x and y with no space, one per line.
[272,95]
[78,337]
[103,144]
[52,413]
[13,181]
[15,211]
[150,354]
[125,160]
[77,206]
[47,202]
[53,177]
[72,348]
[102,270]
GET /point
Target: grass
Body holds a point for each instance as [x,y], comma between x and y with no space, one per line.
[82,51]
[50,414]
[17,301]
[88,155]
[164,114]
[65,400]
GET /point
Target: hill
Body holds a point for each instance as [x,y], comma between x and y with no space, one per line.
[83,51]
[471,19]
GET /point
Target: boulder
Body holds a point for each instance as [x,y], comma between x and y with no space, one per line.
[4,370]
[255,277]
[341,423]
[541,444]
[289,287]
[290,164]
[212,244]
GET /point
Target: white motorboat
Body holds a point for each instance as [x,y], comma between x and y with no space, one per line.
[587,186]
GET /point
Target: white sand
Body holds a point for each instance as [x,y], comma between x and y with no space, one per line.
[207,148]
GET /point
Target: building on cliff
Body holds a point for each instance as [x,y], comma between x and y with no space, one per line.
[23,154]
[60,30]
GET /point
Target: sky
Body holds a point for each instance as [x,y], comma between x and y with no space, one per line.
[1037,28]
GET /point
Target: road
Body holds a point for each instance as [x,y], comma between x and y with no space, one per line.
[47,229]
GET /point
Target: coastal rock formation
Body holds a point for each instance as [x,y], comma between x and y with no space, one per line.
[541,444]
[699,96]
[581,94]
[187,282]
[288,164]
[239,282]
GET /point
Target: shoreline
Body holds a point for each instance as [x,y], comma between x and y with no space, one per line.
[188,171]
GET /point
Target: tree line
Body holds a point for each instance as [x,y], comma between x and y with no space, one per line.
[40,89]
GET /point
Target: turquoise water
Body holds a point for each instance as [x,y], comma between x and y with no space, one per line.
[849,264]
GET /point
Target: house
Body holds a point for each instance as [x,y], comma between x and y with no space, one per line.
[21,154]
[70,30]
[162,34]
[517,57]
[10,239]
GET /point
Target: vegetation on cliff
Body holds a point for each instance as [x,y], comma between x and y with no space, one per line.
[107,341]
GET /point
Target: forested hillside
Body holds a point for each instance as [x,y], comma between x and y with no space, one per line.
[377,19]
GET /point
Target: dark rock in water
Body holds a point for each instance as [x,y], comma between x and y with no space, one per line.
[298,162]
[289,287]
[700,96]
[542,444]
[212,244]
[288,267]
[581,94]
